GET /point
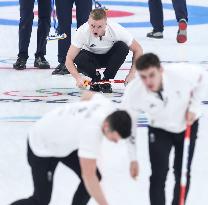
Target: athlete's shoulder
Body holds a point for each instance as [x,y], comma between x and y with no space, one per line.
[134,90]
[101,108]
[135,84]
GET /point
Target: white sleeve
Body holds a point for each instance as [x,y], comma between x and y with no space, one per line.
[127,105]
[78,39]
[132,148]
[90,143]
[123,35]
[195,76]
[197,94]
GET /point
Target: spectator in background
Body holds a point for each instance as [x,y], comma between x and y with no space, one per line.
[64,15]
[156,19]
[25,29]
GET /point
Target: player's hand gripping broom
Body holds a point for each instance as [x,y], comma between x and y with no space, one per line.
[87,82]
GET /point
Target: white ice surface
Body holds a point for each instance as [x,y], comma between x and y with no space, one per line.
[15,176]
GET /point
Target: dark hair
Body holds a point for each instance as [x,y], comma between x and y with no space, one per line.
[120,121]
[147,60]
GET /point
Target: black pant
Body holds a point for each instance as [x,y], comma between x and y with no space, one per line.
[26,22]
[160,144]
[64,14]
[88,62]
[156,12]
[43,169]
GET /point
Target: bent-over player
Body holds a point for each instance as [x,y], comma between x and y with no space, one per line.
[58,137]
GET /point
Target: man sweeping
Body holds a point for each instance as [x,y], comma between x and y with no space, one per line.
[171,97]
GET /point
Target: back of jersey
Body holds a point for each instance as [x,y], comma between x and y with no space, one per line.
[58,133]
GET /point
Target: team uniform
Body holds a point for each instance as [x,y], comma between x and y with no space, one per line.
[108,51]
[57,137]
[166,110]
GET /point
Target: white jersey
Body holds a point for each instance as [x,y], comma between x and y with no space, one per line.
[183,88]
[84,39]
[74,126]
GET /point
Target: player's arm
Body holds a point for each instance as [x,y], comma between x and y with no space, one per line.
[78,41]
[127,104]
[134,165]
[132,146]
[137,50]
[71,55]
[88,168]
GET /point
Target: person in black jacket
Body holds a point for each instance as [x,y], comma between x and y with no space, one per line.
[25,30]
[64,15]
[156,19]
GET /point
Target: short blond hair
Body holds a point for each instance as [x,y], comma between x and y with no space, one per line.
[98,14]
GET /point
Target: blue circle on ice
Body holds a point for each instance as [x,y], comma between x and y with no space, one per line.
[197,14]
